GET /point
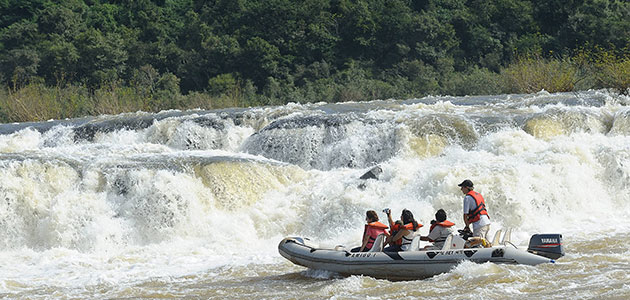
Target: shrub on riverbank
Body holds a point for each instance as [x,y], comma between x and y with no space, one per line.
[532,74]
[613,71]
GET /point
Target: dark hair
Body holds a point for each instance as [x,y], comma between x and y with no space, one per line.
[372,215]
[440,215]
[407,217]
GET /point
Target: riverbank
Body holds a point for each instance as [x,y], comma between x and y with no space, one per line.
[528,74]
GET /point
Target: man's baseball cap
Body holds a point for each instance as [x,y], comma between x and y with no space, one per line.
[466,183]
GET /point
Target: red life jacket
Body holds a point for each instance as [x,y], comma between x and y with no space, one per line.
[398,227]
[475,214]
[373,230]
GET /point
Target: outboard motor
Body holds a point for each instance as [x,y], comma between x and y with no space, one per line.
[547,245]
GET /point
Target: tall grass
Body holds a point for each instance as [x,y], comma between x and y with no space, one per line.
[37,102]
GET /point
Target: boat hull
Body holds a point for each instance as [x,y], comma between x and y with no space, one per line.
[398,265]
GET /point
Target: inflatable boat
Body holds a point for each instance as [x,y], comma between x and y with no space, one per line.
[417,263]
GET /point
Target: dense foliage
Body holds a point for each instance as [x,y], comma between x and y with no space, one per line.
[180,53]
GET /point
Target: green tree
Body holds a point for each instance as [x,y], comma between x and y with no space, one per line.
[102,57]
[14,11]
[259,60]
[601,23]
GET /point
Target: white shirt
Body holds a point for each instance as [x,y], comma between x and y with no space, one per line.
[407,239]
[469,206]
[439,235]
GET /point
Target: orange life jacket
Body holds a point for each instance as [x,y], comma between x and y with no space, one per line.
[373,230]
[445,223]
[398,227]
[475,214]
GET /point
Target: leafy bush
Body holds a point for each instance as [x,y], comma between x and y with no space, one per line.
[531,74]
[613,71]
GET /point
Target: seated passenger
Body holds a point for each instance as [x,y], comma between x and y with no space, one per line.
[440,230]
[402,233]
[372,229]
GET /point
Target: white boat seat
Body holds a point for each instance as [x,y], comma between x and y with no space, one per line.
[448,242]
[415,244]
[457,242]
[507,237]
[378,244]
[497,235]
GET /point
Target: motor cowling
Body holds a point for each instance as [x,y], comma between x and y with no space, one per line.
[547,245]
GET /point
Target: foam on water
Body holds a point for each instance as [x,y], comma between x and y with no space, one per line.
[132,198]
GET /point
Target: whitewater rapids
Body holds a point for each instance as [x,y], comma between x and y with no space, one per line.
[193,204]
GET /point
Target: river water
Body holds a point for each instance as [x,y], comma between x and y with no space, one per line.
[193,204]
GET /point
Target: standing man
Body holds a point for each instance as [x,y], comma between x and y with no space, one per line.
[475,212]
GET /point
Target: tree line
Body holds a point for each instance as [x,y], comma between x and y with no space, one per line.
[77,57]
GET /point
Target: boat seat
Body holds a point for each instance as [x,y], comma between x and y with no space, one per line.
[415,244]
[448,242]
[457,242]
[378,244]
[497,235]
[507,237]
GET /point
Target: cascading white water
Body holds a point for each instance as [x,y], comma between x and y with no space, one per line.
[116,202]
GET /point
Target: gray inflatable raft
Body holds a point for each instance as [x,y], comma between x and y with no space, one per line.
[416,263]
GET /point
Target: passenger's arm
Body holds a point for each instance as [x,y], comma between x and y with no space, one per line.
[389,218]
[400,234]
[467,210]
[466,222]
